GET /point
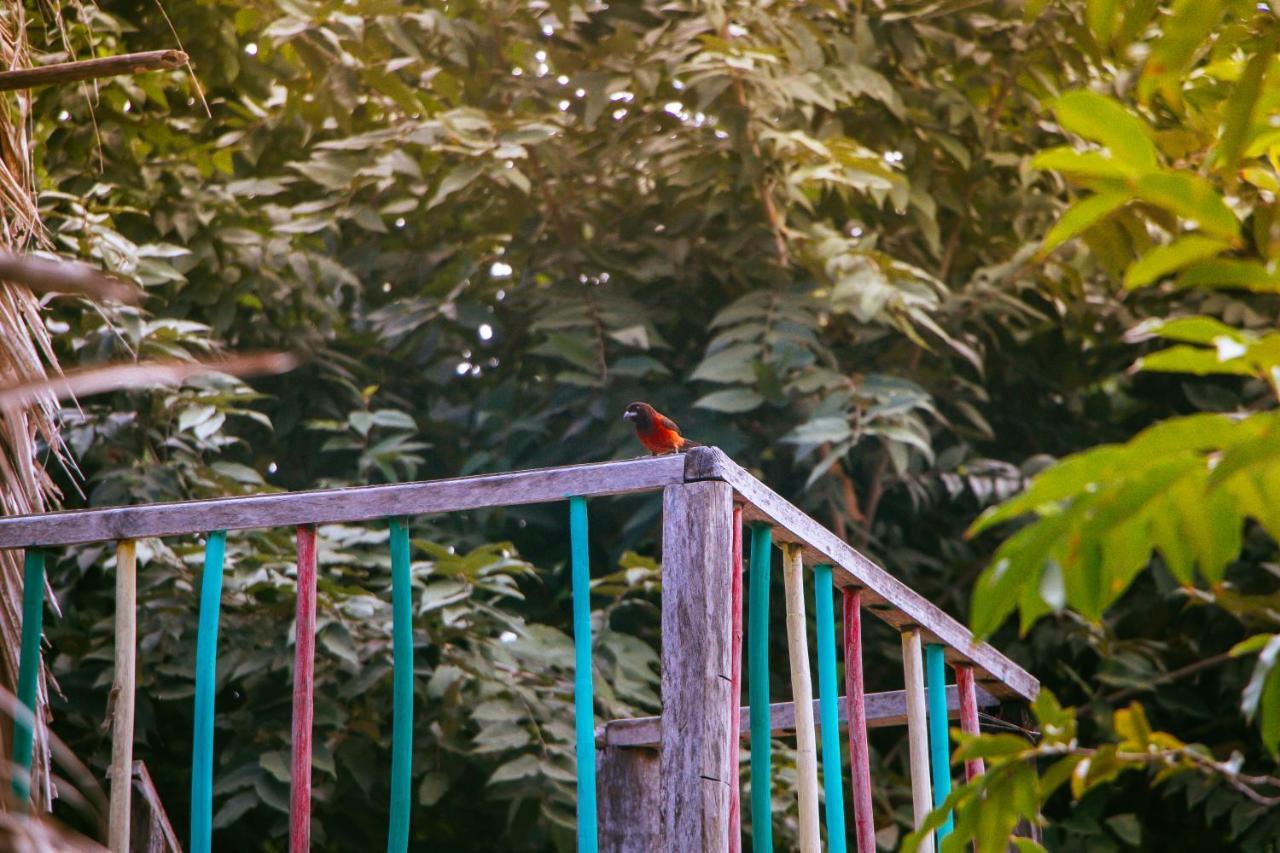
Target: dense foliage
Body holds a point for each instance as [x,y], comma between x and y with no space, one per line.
[836,239]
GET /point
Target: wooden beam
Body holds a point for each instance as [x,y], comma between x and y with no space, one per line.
[696,711]
[92,69]
[802,700]
[886,596]
[328,506]
[627,785]
[883,709]
[151,831]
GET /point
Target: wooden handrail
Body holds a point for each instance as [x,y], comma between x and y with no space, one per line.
[884,595]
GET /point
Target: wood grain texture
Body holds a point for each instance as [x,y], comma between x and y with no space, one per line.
[327,506]
[92,69]
[629,812]
[151,830]
[917,733]
[969,717]
[802,705]
[304,657]
[886,596]
[882,710]
[735,684]
[121,702]
[696,723]
[856,705]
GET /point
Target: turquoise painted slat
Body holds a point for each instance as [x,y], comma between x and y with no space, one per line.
[758,690]
[935,673]
[215,551]
[28,671]
[402,687]
[583,693]
[829,704]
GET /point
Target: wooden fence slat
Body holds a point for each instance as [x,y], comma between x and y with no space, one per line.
[694,770]
[215,550]
[304,656]
[122,695]
[758,690]
[583,690]
[917,732]
[864,827]
[802,697]
[735,684]
[939,739]
[402,687]
[829,703]
[24,728]
[969,717]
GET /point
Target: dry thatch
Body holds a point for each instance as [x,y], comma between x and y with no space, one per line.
[26,355]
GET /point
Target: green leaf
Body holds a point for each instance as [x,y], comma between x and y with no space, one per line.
[1080,216]
[1163,260]
[1191,197]
[1193,360]
[733,400]
[1103,120]
[819,430]
[1127,828]
[1082,164]
[1230,273]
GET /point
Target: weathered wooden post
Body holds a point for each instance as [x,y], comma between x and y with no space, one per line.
[697,557]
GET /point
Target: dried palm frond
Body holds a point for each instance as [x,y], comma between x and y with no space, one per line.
[26,355]
[99,379]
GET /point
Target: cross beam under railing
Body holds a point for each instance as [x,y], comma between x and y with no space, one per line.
[882,593]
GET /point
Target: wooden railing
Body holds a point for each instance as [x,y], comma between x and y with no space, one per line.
[667,782]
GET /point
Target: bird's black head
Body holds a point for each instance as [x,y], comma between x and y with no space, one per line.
[641,413]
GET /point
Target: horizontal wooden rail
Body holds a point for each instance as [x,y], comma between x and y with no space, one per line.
[329,506]
[883,709]
[883,594]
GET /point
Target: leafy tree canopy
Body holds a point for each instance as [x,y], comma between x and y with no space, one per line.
[899,258]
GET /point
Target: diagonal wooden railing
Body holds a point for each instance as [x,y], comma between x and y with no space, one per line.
[690,784]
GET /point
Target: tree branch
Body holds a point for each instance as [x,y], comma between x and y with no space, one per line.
[92,69]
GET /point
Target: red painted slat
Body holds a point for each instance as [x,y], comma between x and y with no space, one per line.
[969,717]
[303,687]
[863,819]
[735,687]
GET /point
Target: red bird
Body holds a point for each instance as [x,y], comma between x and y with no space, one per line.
[657,432]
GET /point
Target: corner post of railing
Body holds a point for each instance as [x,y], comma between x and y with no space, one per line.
[697,723]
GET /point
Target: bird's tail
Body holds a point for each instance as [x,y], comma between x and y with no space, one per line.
[687,444]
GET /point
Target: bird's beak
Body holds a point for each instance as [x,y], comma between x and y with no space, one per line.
[628,416]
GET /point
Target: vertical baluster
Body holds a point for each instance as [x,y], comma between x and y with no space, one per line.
[24,725]
[859,753]
[402,687]
[917,731]
[206,685]
[304,654]
[829,704]
[974,767]
[735,682]
[802,699]
[758,690]
[122,695]
[939,741]
[583,692]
